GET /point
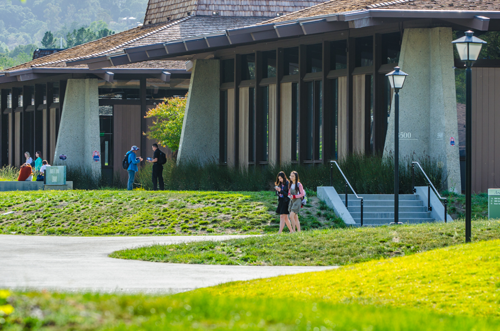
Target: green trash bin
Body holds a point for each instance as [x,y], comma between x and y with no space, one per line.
[494,203]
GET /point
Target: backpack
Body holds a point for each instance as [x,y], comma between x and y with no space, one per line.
[304,198]
[125,163]
[162,159]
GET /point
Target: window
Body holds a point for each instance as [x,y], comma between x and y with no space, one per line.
[269,64]
[227,71]
[314,122]
[106,134]
[314,58]
[364,52]
[265,123]
[295,122]
[338,55]
[291,59]
[251,124]
[390,48]
[248,67]
[223,128]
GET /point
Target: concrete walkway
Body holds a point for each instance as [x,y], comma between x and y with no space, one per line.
[82,263]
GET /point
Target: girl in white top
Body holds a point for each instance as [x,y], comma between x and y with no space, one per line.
[29,160]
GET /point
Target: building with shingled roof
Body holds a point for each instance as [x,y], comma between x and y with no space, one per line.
[309,86]
[48,106]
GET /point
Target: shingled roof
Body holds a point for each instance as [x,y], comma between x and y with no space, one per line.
[343,6]
[162,11]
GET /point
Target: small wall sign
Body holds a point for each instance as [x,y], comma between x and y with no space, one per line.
[62,157]
[96,156]
[452,141]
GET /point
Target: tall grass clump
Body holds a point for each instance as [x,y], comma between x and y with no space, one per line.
[9,173]
[367,175]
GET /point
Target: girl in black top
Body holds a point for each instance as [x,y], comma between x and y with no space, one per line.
[283,201]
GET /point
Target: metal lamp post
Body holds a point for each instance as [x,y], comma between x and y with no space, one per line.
[468,48]
[396,79]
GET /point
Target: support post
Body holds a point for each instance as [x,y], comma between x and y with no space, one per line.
[38,119]
[49,100]
[237,81]
[302,103]
[144,109]
[15,104]
[4,128]
[396,157]
[468,153]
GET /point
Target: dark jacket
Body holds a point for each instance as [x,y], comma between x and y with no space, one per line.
[283,194]
[132,161]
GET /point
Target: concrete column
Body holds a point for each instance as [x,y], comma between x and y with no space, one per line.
[79,130]
[200,130]
[428,109]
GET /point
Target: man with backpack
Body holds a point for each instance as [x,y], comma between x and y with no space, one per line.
[159,159]
[130,163]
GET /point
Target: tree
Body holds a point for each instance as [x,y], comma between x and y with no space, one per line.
[168,117]
[84,35]
[48,40]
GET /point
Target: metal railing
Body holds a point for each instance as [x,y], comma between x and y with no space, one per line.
[429,208]
[347,184]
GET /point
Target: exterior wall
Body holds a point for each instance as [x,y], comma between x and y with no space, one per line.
[127,132]
[79,128]
[358,138]
[243,126]
[200,130]
[273,121]
[286,123]
[343,132]
[231,159]
[485,133]
[428,111]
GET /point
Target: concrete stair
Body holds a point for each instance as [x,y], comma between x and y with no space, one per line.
[379,209]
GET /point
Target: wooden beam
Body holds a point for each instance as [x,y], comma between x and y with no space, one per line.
[15,103]
[4,129]
[328,132]
[144,109]
[237,80]
[351,64]
[302,103]
[49,98]
[38,119]
[258,111]
[280,62]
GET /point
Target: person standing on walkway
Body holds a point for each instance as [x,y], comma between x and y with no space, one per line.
[159,159]
[133,161]
[283,201]
[296,193]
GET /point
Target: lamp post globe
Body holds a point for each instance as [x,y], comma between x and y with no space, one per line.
[396,79]
[468,48]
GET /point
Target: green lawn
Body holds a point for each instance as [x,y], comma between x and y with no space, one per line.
[120,212]
[461,280]
[321,247]
[194,311]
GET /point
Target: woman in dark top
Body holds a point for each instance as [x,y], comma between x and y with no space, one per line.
[283,200]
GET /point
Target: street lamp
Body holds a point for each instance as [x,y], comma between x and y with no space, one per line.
[397,80]
[468,48]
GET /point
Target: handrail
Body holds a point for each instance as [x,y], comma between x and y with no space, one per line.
[429,208]
[346,184]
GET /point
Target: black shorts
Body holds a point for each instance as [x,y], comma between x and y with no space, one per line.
[282,207]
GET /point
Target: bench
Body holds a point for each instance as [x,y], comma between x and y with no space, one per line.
[32,186]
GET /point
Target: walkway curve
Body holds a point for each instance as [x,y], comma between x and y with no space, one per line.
[82,264]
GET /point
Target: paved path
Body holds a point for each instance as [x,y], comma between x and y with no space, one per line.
[82,263]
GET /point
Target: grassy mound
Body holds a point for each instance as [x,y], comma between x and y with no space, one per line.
[463,279]
[325,247]
[119,212]
[36,311]
[107,212]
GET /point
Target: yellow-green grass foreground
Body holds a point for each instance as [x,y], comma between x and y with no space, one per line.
[462,280]
[320,247]
[202,311]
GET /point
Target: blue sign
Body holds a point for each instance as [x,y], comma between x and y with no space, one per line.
[63,157]
[96,156]
[452,141]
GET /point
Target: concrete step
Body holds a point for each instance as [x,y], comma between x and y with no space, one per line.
[391,215]
[368,197]
[388,221]
[386,209]
[384,203]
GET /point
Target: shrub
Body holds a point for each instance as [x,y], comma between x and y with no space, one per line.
[9,173]
[367,175]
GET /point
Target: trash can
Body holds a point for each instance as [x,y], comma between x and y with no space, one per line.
[493,203]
